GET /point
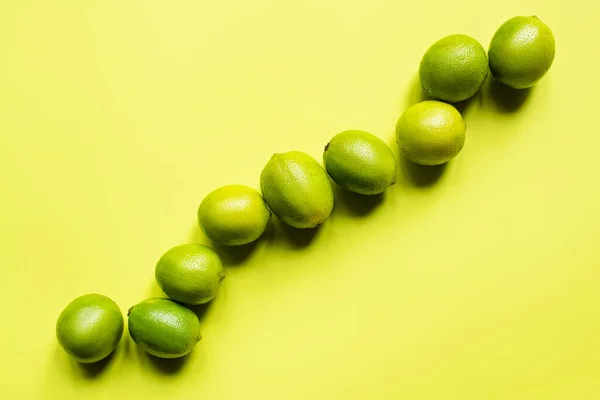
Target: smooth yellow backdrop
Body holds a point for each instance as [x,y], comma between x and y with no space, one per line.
[477,281]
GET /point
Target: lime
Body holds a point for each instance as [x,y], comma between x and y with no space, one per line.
[454,68]
[360,162]
[90,327]
[233,215]
[521,52]
[297,189]
[430,132]
[190,273]
[163,327]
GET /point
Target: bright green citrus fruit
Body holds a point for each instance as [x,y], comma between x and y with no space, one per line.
[430,132]
[297,189]
[164,328]
[521,52]
[90,327]
[190,273]
[360,162]
[233,215]
[454,68]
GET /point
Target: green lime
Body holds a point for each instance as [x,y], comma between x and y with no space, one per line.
[521,52]
[90,327]
[233,215]
[454,68]
[297,189]
[430,132]
[190,273]
[360,162]
[164,328]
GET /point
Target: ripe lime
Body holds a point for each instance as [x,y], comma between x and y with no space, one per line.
[90,327]
[233,215]
[454,68]
[521,52]
[190,273]
[163,327]
[297,189]
[360,162]
[430,132]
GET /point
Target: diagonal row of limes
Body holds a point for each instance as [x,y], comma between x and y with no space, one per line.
[297,189]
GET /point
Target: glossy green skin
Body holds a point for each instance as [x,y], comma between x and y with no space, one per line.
[454,68]
[297,189]
[90,328]
[164,328]
[521,52]
[233,215]
[190,273]
[360,162]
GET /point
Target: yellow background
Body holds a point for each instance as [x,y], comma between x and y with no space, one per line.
[478,281]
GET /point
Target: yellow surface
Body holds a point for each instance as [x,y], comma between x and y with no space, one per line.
[117,117]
